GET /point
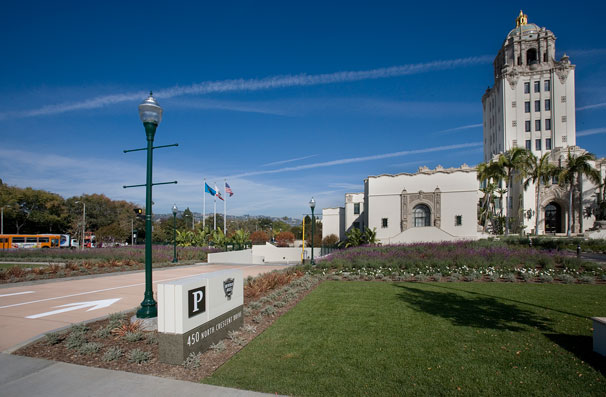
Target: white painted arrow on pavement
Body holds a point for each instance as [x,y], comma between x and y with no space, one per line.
[94,305]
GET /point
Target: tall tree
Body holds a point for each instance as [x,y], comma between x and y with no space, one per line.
[540,172]
[573,171]
[514,165]
[491,174]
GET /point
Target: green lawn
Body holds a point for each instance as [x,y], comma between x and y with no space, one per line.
[380,338]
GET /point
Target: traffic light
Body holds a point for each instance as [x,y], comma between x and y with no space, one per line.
[139,213]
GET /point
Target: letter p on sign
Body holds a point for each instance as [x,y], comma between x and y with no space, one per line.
[196,301]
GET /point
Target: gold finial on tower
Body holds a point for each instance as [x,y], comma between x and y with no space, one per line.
[522,19]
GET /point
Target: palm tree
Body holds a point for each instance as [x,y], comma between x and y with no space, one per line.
[540,172]
[576,167]
[489,172]
[513,163]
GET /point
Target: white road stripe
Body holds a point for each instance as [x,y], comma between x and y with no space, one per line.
[17,293]
[102,290]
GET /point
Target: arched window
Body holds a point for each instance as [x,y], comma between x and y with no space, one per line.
[421,215]
[531,56]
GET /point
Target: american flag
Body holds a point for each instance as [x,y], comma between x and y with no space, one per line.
[228,190]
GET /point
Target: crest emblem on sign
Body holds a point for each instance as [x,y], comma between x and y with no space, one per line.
[228,287]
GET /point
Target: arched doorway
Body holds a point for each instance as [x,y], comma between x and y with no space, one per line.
[553,218]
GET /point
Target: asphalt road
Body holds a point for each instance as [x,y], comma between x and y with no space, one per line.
[28,310]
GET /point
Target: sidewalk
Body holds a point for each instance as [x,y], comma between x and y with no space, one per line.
[25,376]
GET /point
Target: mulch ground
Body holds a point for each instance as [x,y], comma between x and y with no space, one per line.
[209,360]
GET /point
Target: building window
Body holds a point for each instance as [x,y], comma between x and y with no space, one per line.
[527,125]
[458,220]
[384,222]
[547,104]
[547,124]
[537,125]
[527,88]
[537,106]
[421,215]
[564,119]
[537,86]
[527,107]
[356,208]
[528,144]
[513,104]
[537,144]
[547,85]
[548,144]
[563,98]
[356,225]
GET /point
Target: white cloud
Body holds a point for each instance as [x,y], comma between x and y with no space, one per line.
[594,106]
[592,131]
[267,83]
[360,159]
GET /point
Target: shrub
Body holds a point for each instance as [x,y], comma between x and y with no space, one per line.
[249,328]
[90,348]
[566,278]
[75,340]
[111,354]
[279,304]
[330,241]
[151,338]
[587,279]
[79,329]
[133,336]
[138,356]
[268,311]
[247,311]
[285,239]
[255,305]
[526,276]
[192,361]
[218,347]
[509,277]
[258,318]
[545,278]
[125,328]
[53,338]
[421,277]
[259,237]
[103,332]
[437,276]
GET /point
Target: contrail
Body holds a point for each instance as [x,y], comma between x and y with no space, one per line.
[358,159]
[464,127]
[595,106]
[288,161]
[267,83]
[592,131]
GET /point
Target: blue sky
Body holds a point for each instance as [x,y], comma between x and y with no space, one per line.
[287,100]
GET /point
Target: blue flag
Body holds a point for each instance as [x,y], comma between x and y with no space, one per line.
[209,189]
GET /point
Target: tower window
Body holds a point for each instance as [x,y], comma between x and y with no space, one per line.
[544,57]
[547,85]
[356,208]
[384,222]
[537,125]
[537,86]
[537,144]
[527,107]
[514,123]
[547,104]
[537,106]
[527,126]
[528,144]
[548,144]
[564,119]
[547,124]
[527,87]
[531,56]
[563,99]
[513,104]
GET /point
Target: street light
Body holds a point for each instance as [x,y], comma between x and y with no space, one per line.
[312,205]
[150,114]
[83,221]
[175,233]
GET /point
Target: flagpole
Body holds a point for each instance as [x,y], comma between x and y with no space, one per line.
[215,221]
[204,206]
[224,208]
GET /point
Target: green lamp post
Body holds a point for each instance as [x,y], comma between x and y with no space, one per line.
[312,205]
[150,114]
[175,233]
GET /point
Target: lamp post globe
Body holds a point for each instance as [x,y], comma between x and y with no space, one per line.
[312,205]
[150,114]
[175,233]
